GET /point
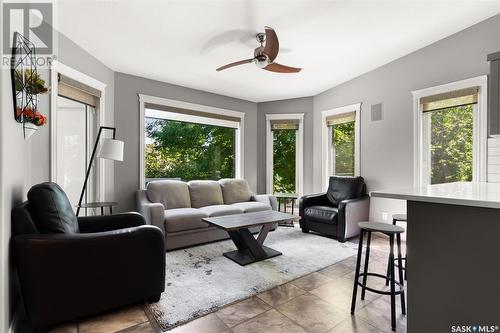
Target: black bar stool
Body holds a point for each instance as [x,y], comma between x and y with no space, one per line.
[398,218]
[389,230]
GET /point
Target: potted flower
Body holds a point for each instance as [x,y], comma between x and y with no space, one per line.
[33,83]
[31,119]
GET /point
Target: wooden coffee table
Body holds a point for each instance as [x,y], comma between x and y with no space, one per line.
[249,248]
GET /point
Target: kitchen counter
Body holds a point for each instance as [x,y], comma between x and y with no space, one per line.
[453,256]
[470,194]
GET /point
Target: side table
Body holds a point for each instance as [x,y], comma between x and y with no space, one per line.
[101,205]
[285,198]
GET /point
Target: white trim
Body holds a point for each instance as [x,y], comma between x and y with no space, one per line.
[189,106]
[160,114]
[326,134]
[239,153]
[480,131]
[299,153]
[58,67]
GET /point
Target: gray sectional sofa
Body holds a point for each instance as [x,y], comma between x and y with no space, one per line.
[177,207]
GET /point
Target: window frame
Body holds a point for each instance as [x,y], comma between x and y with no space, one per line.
[299,150]
[421,130]
[326,142]
[239,126]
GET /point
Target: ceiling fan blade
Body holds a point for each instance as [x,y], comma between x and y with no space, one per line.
[237,63]
[272,44]
[275,67]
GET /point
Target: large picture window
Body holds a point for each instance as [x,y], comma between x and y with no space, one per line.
[451,133]
[187,141]
[177,149]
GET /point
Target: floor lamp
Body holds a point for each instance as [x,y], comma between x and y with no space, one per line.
[111,149]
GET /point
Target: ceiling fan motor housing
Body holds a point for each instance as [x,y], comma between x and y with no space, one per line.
[261,60]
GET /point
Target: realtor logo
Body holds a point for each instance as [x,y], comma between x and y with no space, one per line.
[33,21]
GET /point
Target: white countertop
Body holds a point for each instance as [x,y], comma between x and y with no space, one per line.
[466,194]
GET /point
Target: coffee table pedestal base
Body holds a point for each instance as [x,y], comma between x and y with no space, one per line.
[244,257]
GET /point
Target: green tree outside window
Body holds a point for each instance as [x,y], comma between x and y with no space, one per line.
[451,144]
[284,148]
[343,147]
[188,151]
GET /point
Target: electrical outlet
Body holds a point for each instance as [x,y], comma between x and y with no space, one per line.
[384,216]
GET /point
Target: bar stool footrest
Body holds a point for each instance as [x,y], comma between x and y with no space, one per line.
[397,265]
[399,287]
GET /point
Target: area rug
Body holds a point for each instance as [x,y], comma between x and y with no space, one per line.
[200,280]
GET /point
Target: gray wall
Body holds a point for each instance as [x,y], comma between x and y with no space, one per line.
[127,122]
[14,176]
[27,162]
[295,105]
[387,145]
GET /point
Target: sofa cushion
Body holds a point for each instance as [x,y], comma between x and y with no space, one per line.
[324,214]
[205,193]
[235,190]
[182,219]
[51,209]
[221,210]
[251,206]
[344,188]
[171,193]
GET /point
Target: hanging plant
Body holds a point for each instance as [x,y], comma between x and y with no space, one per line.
[33,83]
[32,116]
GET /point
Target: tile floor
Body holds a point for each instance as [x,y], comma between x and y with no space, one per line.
[318,302]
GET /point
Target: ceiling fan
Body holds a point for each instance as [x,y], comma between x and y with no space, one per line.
[264,55]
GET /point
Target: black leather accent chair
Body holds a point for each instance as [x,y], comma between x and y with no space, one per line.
[337,212]
[71,267]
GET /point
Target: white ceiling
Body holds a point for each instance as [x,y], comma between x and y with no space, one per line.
[183,42]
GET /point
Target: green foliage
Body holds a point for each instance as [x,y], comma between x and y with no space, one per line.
[343,143]
[188,151]
[284,161]
[451,144]
[33,83]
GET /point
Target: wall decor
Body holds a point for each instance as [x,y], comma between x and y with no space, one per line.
[27,85]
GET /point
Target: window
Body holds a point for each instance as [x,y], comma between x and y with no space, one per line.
[284,153]
[184,150]
[451,135]
[450,145]
[342,136]
[188,141]
[341,146]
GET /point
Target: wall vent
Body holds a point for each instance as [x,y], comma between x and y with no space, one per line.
[376,112]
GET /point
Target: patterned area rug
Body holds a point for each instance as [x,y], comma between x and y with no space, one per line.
[200,280]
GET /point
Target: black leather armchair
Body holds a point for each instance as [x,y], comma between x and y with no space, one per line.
[337,212]
[73,267]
